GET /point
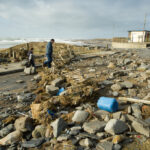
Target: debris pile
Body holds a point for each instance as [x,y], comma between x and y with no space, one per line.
[64,114]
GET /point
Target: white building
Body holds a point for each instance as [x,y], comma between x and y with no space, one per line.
[139,36]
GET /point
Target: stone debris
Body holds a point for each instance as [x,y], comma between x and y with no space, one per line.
[115,126]
[24,124]
[104,146]
[140,128]
[39,131]
[33,143]
[94,126]
[58,126]
[46,118]
[80,116]
[51,89]
[6,130]
[29,70]
[11,138]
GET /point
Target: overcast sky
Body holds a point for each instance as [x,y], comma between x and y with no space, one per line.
[73,19]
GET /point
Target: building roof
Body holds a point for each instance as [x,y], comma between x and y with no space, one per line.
[139,31]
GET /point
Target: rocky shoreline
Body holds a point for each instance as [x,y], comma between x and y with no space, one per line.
[43,117]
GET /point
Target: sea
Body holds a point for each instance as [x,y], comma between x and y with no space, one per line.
[7,43]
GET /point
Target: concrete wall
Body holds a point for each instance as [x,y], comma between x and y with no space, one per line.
[128,45]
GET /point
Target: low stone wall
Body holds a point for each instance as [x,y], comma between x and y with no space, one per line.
[129,45]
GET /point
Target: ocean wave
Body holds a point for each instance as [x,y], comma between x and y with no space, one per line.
[6,43]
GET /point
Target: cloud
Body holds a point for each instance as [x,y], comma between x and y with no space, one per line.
[71,18]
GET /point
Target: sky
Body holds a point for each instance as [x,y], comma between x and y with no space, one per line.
[72,19]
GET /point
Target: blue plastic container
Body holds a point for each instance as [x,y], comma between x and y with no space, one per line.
[60,91]
[107,104]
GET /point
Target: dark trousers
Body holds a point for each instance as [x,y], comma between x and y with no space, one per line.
[31,63]
[48,61]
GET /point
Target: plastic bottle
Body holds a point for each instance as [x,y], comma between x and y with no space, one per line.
[60,91]
[107,104]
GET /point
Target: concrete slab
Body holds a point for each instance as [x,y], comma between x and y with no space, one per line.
[11,68]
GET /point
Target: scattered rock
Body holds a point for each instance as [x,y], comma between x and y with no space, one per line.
[11,138]
[5,131]
[86,142]
[24,124]
[29,70]
[39,131]
[136,111]
[37,77]
[117,147]
[116,87]
[104,146]
[58,126]
[80,116]
[115,126]
[21,98]
[101,135]
[117,139]
[148,121]
[52,89]
[140,128]
[111,65]
[101,114]
[115,93]
[94,126]
[63,137]
[127,85]
[33,143]
[19,81]
[117,115]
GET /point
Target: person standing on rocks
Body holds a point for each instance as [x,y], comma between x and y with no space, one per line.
[31,58]
[49,52]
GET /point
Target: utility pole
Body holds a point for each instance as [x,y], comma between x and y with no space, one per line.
[145,21]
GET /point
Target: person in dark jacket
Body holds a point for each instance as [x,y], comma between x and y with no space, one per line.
[31,58]
[49,52]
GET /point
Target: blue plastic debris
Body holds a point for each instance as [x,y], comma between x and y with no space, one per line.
[50,113]
[60,91]
[107,104]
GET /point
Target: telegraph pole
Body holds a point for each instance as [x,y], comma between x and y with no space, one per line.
[145,21]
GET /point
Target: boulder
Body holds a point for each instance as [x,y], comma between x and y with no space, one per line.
[140,128]
[80,116]
[58,126]
[24,124]
[12,137]
[94,126]
[115,126]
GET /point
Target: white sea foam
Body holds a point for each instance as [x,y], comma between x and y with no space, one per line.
[6,43]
